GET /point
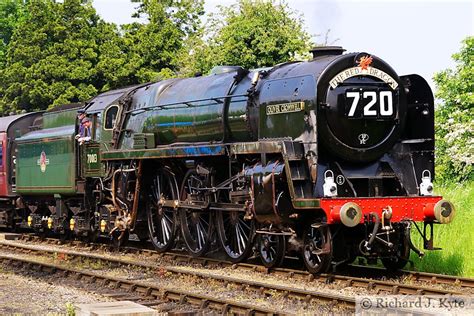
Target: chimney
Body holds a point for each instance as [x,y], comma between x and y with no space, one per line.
[319,51]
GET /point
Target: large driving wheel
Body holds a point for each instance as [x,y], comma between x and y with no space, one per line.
[162,219]
[196,225]
[236,234]
[317,249]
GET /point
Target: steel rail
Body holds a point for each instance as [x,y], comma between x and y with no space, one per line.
[262,288]
[432,278]
[347,281]
[370,283]
[201,301]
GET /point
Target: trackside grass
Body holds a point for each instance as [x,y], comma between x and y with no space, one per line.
[456,238]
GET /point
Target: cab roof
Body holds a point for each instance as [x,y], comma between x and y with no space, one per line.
[100,102]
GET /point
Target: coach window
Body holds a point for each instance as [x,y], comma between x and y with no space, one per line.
[111,117]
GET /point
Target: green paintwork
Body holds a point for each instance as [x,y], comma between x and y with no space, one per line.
[56,172]
[306,203]
[285,119]
[102,135]
[59,118]
[166,152]
[256,147]
[48,133]
[190,110]
[195,151]
[91,164]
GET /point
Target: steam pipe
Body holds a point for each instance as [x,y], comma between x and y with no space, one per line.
[410,243]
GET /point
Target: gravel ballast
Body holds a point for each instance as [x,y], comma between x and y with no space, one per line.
[26,295]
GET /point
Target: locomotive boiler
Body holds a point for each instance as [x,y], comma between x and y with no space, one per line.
[327,159]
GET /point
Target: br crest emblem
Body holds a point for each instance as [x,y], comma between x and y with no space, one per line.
[43,161]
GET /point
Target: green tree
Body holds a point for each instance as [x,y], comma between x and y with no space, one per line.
[455,117]
[64,52]
[52,56]
[11,14]
[154,48]
[251,33]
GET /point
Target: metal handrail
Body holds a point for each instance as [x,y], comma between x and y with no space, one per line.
[218,100]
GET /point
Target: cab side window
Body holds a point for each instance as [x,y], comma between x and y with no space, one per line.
[111,117]
[97,125]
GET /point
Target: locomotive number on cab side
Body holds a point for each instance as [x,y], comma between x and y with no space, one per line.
[91,158]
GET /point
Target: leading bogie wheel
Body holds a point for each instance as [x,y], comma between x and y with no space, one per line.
[402,255]
[317,248]
[162,220]
[271,249]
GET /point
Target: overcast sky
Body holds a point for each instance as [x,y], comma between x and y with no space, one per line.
[416,36]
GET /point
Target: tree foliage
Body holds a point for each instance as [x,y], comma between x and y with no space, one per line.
[455,117]
[154,47]
[54,52]
[252,34]
[64,52]
[52,55]
[11,14]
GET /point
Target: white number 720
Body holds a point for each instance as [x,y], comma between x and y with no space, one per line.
[385,103]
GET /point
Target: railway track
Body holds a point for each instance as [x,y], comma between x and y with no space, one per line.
[145,290]
[261,288]
[432,278]
[373,277]
[344,281]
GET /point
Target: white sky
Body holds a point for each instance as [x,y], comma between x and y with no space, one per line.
[413,36]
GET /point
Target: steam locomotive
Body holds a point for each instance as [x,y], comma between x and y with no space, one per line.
[327,159]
